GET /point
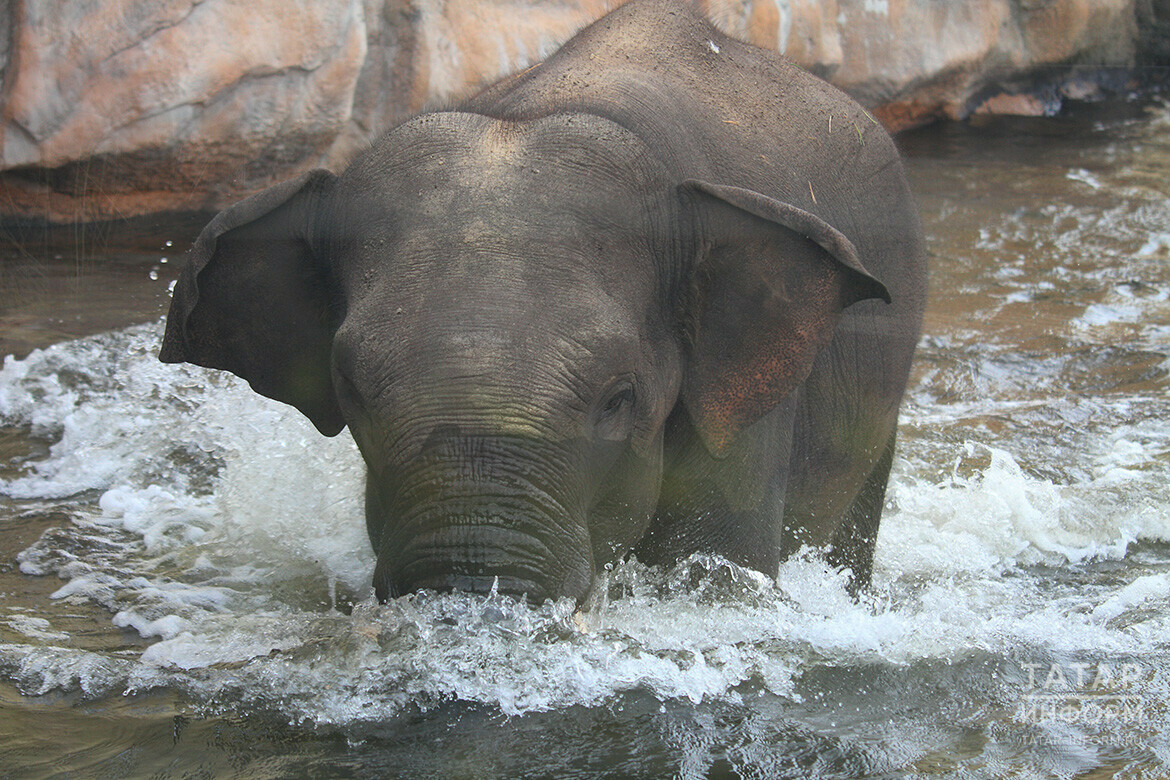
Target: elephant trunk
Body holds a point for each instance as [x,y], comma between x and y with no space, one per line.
[477,514]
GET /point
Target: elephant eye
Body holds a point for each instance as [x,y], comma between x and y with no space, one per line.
[615,414]
[347,393]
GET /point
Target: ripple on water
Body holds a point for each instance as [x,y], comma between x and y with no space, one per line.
[181,536]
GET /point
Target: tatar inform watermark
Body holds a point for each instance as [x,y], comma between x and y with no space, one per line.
[1088,694]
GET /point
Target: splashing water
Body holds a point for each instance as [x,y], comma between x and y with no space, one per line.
[208,544]
[221,528]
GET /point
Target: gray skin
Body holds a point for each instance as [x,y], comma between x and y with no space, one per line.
[659,293]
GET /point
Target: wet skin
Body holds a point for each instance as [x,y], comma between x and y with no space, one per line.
[637,298]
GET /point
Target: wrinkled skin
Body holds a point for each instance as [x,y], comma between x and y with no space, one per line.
[641,297]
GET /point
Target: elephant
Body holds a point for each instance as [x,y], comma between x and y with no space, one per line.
[656,295]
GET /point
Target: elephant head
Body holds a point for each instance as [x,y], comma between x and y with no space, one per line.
[508,316]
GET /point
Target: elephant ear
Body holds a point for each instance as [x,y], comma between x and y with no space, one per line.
[254,299]
[765,301]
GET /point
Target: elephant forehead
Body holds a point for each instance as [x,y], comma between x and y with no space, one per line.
[477,266]
[477,262]
[488,374]
[454,332]
[451,167]
[504,241]
[448,138]
[519,194]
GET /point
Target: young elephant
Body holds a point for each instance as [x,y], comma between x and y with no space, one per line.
[658,294]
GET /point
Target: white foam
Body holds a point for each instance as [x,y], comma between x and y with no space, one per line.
[1083,176]
[1098,314]
[227,526]
[36,628]
[1143,590]
[1002,517]
[1158,244]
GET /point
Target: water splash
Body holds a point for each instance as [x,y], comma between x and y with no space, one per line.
[222,530]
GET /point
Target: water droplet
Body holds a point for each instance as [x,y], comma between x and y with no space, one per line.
[162,260]
[169,244]
[153,275]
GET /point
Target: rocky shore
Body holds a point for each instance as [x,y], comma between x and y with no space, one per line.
[134,107]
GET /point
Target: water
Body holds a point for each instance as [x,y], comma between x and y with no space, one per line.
[185,574]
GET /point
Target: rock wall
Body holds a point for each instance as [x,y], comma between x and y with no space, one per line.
[114,108]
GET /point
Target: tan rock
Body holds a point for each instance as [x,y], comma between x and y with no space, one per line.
[917,60]
[173,96]
[181,104]
[1013,105]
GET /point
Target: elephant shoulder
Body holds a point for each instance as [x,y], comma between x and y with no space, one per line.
[640,52]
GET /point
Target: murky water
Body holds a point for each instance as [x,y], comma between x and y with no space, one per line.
[185,572]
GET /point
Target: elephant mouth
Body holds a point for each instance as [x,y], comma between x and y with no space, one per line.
[451,582]
[483,559]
